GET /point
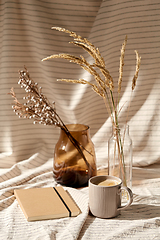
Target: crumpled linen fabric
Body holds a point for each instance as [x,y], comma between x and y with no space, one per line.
[13,223]
[140,221]
[26,38]
[26,150]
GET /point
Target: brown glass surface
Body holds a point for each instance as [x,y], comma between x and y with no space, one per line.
[70,168]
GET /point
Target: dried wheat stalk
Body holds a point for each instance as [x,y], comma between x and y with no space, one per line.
[121,64]
[138,63]
[103,85]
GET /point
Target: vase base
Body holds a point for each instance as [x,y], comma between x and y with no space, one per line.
[73,178]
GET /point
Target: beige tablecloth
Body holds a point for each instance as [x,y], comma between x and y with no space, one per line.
[140,221]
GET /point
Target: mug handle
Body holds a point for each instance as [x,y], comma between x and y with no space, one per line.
[130,195]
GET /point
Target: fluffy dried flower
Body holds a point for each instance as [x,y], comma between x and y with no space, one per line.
[37,106]
[40,109]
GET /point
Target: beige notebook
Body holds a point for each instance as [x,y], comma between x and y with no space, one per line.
[46,203]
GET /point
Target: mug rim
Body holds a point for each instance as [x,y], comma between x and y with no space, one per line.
[103,178]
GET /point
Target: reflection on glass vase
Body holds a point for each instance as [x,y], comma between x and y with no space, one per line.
[74,166]
[120,155]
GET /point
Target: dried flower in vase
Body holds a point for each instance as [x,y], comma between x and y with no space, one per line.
[38,108]
[103,85]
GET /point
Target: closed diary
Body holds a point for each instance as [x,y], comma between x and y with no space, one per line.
[46,203]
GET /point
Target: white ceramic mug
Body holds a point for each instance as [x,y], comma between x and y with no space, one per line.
[105,196]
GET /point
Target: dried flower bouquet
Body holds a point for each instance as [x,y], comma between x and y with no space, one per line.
[38,108]
[103,84]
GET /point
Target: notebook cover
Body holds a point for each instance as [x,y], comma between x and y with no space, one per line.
[46,203]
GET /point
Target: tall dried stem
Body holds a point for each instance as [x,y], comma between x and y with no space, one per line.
[103,84]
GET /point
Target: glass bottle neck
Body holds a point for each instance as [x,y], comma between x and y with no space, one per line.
[121,129]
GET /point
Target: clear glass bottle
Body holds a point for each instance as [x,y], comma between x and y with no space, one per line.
[71,168]
[120,155]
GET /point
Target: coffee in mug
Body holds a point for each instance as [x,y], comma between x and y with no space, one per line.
[105,196]
[108,182]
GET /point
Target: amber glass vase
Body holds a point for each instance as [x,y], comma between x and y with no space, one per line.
[72,167]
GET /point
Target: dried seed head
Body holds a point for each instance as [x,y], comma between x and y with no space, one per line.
[138,63]
[37,105]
